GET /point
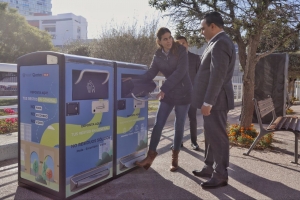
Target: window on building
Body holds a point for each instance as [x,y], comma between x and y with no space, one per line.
[50,29]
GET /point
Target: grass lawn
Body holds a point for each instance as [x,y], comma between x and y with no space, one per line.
[8,102]
[153,105]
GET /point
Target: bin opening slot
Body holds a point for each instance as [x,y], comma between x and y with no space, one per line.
[88,177]
[130,160]
[89,84]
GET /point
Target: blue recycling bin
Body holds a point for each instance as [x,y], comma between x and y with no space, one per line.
[132,117]
[80,125]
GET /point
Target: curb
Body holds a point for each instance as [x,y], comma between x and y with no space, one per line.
[8,146]
[9,151]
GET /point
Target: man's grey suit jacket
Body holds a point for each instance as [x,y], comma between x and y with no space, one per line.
[212,83]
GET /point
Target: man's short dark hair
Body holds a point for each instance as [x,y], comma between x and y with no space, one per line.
[181,38]
[214,17]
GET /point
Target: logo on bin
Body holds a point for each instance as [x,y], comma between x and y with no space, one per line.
[90,87]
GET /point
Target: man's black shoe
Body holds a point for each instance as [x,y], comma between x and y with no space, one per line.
[214,183]
[195,146]
[171,147]
[202,173]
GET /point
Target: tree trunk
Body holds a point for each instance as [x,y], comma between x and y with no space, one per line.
[249,84]
[248,106]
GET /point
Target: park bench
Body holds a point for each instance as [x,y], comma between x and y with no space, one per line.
[280,123]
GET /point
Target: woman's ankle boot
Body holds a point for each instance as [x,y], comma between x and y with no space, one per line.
[147,162]
[174,166]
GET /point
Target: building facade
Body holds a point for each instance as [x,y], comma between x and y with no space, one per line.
[62,27]
[30,7]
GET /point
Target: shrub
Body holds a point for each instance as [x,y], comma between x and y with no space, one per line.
[289,111]
[7,111]
[245,136]
[8,125]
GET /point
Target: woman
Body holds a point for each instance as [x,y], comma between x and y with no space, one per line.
[171,60]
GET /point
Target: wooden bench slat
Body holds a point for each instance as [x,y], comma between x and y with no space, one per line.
[274,124]
[266,110]
[293,124]
[287,123]
[297,126]
[265,105]
[282,121]
[265,101]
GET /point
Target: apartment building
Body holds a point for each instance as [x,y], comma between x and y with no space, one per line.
[30,7]
[62,27]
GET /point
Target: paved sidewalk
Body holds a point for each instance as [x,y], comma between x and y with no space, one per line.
[264,174]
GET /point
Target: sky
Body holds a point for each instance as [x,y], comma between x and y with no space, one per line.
[99,13]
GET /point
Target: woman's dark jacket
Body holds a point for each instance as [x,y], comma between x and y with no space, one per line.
[178,86]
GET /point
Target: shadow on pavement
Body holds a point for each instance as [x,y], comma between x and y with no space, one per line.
[269,188]
[140,185]
[277,164]
[24,193]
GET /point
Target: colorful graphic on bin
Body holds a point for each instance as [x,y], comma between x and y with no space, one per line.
[89,125]
[39,94]
[132,123]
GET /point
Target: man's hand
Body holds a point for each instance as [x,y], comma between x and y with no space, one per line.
[160,95]
[205,110]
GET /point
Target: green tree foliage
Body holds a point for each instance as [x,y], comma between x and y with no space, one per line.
[78,47]
[18,37]
[258,27]
[35,166]
[128,43]
[269,39]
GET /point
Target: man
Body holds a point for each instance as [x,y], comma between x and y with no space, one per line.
[213,94]
[194,63]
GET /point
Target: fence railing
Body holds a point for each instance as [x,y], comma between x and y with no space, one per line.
[237,86]
[238,91]
[237,79]
[297,89]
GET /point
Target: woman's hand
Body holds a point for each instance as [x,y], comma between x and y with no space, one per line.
[160,95]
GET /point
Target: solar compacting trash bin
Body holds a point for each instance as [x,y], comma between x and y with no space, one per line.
[76,130]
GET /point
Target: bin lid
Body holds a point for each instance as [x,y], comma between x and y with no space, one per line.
[131,65]
[51,57]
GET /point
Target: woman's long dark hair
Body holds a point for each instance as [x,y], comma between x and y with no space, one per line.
[161,31]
